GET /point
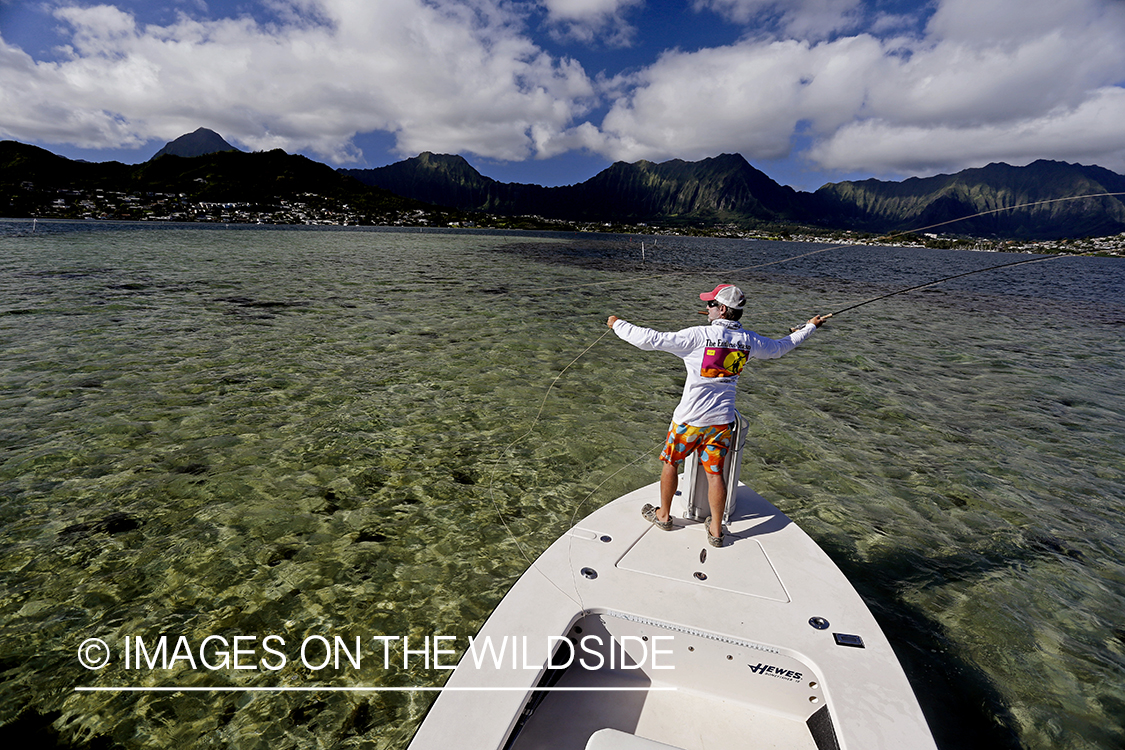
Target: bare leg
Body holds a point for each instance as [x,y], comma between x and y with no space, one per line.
[717,499]
[669,480]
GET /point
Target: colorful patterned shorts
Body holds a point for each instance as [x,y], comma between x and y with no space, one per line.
[683,439]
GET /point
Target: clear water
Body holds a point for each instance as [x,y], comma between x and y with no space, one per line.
[241,432]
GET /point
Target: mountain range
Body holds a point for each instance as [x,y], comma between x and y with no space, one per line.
[723,190]
[727,189]
[987,195]
[32,178]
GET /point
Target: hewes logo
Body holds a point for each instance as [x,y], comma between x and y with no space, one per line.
[785,674]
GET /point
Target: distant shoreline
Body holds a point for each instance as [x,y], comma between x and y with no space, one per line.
[1112,246]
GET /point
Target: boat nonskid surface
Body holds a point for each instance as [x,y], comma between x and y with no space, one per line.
[654,634]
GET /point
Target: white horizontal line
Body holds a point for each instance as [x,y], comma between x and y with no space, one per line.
[332,689]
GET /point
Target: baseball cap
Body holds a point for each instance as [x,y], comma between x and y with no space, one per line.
[726,294]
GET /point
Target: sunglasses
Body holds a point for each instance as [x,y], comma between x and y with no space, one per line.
[712,303]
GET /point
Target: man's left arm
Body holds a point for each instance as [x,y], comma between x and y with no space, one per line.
[766,348]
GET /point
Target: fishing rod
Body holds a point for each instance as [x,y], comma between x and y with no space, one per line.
[979,270]
[947,278]
[941,281]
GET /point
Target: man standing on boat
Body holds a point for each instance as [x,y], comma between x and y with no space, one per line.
[714,355]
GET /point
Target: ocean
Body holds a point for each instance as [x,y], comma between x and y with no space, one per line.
[222,445]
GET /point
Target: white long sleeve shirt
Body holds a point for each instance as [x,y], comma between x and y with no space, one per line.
[714,355]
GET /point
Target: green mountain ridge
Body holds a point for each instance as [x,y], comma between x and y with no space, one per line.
[31,177]
[720,189]
[1053,190]
[1045,200]
[727,190]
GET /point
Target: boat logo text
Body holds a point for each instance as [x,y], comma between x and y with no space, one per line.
[768,669]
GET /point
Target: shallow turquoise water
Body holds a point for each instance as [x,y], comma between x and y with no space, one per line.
[244,433]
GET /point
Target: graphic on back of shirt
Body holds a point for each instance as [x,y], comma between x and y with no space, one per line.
[722,362]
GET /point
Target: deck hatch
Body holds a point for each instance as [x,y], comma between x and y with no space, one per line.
[845,639]
[676,555]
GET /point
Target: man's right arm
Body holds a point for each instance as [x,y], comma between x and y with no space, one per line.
[677,342]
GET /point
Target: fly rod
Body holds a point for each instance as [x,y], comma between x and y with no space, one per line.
[981,270]
[938,281]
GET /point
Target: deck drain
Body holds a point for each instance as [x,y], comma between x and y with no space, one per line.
[701,576]
[590,573]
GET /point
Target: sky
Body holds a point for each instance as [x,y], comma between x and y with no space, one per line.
[553,91]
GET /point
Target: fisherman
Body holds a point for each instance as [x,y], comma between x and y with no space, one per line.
[714,355]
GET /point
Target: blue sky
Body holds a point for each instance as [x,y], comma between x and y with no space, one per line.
[551,92]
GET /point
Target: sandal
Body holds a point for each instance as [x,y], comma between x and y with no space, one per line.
[714,541]
[649,513]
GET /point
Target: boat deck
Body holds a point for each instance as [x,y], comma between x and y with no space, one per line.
[760,644]
[677,556]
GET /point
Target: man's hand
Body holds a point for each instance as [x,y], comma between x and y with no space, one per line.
[818,320]
[612,319]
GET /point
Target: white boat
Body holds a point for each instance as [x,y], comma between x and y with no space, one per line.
[625,636]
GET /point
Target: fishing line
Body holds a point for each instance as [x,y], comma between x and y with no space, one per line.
[645,454]
[1008,208]
[948,278]
[830,247]
[531,429]
[632,279]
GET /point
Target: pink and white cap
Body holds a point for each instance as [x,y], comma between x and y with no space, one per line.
[726,294]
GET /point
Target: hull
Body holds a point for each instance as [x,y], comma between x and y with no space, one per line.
[623,635]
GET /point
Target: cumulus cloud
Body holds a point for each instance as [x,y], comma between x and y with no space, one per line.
[1089,132]
[749,98]
[796,18]
[592,20]
[951,84]
[1002,79]
[440,76]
